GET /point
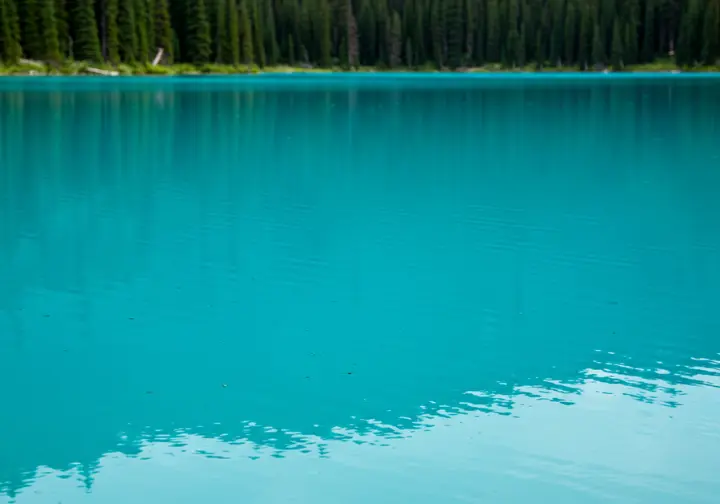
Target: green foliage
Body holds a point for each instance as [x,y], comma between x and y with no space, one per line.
[272,50]
[711,29]
[50,46]
[10,50]
[291,50]
[86,45]
[222,38]
[324,25]
[111,32]
[127,30]
[567,34]
[30,27]
[571,23]
[142,22]
[454,32]
[233,31]
[199,40]
[585,38]
[648,47]
[395,40]
[617,46]
[258,37]
[246,35]
[493,31]
[163,29]
[61,25]
[598,51]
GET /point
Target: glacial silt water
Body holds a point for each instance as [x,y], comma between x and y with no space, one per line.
[355,289]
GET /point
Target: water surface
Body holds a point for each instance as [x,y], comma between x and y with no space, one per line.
[356,289]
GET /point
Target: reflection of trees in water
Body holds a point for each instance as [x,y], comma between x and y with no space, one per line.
[93,195]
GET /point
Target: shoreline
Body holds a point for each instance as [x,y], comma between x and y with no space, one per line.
[28,68]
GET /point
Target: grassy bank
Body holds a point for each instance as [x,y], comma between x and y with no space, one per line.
[27,68]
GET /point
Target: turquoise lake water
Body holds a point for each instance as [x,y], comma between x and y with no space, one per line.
[335,289]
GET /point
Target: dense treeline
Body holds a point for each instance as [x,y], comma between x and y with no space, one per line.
[351,33]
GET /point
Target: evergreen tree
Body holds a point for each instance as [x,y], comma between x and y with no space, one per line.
[683,55]
[454,33]
[61,25]
[540,49]
[586,37]
[86,44]
[51,47]
[711,29]
[480,32]
[557,35]
[199,40]
[246,33]
[570,33]
[513,36]
[30,25]
[111,32]
[150,27]
[617,46]
[493,31]
[395,40]
[291,50]
[270,36]
[520,49]
[419,33]
[233,32]
[450,33]
[438,32]
[324,33]
[352,36]
[598,50]
[367,28]
[141,25]
[258,37]
[127,31]
[10,50]
[15,32]
[222,38]
[469,29]
[631,43]
[606,20]
[305,35]
[383,37]
[648,47]
[163,29]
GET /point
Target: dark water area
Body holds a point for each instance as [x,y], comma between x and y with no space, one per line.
[354,289]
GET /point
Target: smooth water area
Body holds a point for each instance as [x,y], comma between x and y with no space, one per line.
[353,290]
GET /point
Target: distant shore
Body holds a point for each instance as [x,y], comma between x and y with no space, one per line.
[38,68]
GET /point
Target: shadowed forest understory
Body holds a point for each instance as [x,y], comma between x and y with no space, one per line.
[386,34]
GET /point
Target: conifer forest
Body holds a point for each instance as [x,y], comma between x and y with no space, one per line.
[446,34]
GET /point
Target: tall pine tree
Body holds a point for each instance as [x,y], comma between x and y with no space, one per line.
[617,46]
[163,29]
[199,40]
[141,26]
[86,44]
[710,32]
[30,25]
[10,50]
[50,45]
[233,32]
[61,24]
[248,56]
[127,31]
